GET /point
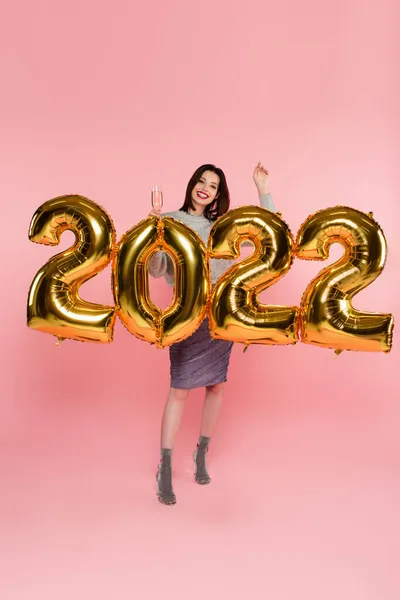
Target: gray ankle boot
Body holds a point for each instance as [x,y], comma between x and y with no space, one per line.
[164,478]
[201,474]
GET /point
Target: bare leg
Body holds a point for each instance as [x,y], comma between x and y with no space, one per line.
[172,416]
[211,410]
[171,420]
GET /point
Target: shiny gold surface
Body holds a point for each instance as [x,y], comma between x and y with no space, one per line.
[54,304]
[136,310]
[328,318]
[235,312]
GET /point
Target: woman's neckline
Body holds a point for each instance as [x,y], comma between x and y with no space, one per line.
[194,215]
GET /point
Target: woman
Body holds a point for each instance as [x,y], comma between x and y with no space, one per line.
[198,361]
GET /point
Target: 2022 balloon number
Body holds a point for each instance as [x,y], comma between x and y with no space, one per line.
[325,316]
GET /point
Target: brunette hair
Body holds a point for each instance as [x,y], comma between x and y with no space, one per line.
[220,205]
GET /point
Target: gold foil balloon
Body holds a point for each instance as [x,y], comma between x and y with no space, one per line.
[54,304]
[235,312]
[131,286]
[328,318]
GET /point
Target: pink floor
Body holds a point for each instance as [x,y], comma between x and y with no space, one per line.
[303,503]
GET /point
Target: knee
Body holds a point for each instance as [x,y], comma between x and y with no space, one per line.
[217,389]
[179,395]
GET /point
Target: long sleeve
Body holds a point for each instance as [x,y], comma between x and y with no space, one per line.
[267,202]
[160,265]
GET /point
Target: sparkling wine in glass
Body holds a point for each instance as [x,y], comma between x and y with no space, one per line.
[157,198]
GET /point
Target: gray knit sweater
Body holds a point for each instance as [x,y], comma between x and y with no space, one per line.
[161,264]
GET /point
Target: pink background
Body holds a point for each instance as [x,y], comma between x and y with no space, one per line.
[105,100]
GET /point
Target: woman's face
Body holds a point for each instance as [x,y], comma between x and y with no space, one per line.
[205,191]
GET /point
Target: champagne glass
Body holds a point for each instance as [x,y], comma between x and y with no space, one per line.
[157,198]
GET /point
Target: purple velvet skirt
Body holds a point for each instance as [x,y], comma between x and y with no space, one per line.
[199,360]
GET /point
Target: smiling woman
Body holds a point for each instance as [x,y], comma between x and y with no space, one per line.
[207,193]
[198,361]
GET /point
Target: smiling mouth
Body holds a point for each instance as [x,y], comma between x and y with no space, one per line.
[202,195]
